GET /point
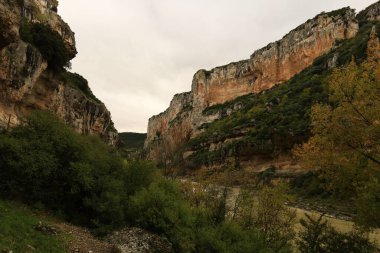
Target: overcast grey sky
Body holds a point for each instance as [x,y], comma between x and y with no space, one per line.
[136,54]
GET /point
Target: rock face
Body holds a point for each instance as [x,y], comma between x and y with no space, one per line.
[371,13]
[274,64]
[27,83]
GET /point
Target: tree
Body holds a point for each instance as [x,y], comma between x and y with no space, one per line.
[313,235]
[317,236]
[48,42]
[273,218]
[368,204]
[243,209]
[345,145]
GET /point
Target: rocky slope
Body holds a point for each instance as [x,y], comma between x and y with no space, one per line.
[191,126]
[27,82]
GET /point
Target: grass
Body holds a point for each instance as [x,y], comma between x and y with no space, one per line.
[17,231]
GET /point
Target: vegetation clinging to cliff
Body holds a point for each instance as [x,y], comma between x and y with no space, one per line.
[48,42]
[77,81]
[278,118]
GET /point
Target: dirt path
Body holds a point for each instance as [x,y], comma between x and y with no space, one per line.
[80,240]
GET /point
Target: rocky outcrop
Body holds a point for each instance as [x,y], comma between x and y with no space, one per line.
[45,11]
[136,240]
[27,83]
[274,64]
[372,13]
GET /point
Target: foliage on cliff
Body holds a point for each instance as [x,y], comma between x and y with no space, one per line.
[47,41]
[278,118]
[77,81]
[345,144]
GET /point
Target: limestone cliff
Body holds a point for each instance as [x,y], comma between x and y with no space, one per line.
[274,64]
[266,67]
[27,82]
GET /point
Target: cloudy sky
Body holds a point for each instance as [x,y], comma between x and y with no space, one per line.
[137,54]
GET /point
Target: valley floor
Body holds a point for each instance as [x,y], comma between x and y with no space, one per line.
[341,223]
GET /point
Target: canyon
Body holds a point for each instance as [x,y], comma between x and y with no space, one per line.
[170,132]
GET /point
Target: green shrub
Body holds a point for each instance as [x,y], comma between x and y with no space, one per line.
[310,185]
[44,161]
[139,175]
[48,42]
[228,238]
[318,236]
[162,208]
[368,204]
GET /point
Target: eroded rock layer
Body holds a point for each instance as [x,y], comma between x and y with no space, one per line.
[267,67]
[27,83]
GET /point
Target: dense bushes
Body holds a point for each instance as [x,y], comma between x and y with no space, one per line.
[229,237]
[163,209]
[48,42]
[45,162]
[310,184]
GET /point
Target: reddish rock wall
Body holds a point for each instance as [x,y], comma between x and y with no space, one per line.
[276,63]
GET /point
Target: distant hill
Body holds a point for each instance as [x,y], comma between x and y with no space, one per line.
[132,140]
